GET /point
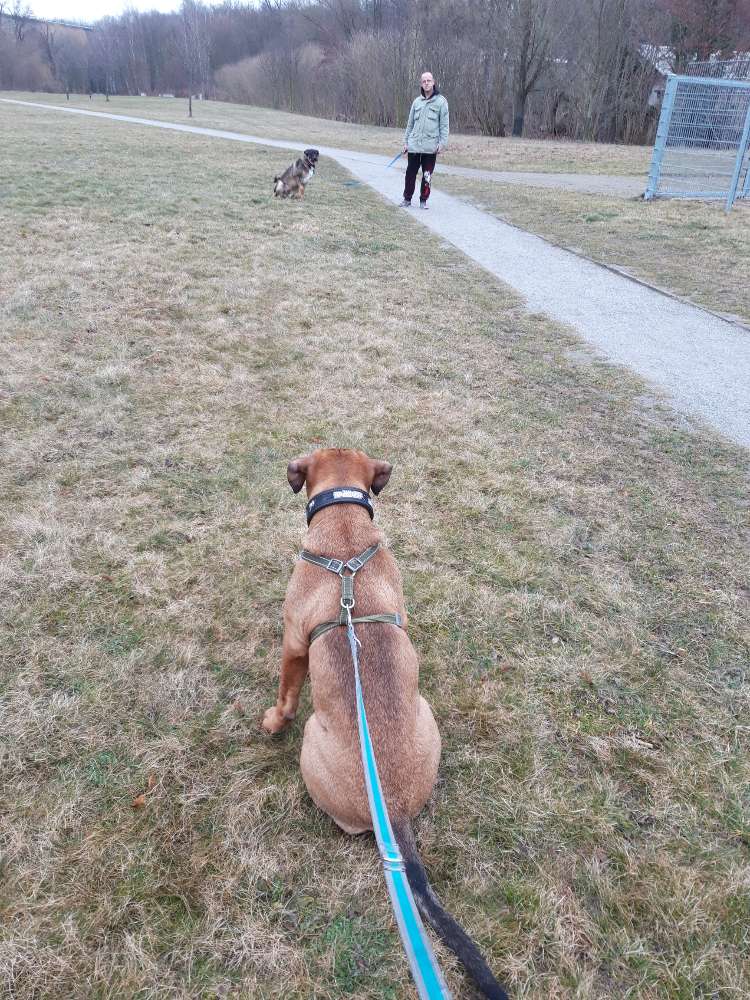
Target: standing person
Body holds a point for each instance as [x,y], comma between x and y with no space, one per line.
[426,136]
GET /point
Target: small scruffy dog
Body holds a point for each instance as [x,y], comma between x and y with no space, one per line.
[291,184]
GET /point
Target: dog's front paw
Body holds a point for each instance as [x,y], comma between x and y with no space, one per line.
[274,722]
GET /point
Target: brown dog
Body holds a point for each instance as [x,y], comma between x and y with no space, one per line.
[403,729]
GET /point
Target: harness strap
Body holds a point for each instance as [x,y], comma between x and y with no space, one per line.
[389,619]
[338,566]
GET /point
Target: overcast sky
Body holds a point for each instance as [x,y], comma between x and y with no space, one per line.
[92,10]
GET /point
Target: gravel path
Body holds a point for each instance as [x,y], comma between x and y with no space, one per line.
[700,360]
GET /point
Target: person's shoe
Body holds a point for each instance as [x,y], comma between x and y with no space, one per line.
[405,204]
[423,204]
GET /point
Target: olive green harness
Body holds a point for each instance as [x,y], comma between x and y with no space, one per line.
[337,566]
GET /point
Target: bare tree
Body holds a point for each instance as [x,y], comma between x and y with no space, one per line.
[105,55]
[20,14]
[485,81]
[701,28]
[71,61]
[531,46]
[195,48]
[133,51]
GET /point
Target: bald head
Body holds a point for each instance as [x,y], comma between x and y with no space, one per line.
[427,83]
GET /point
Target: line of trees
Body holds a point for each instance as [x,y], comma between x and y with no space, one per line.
[577,68]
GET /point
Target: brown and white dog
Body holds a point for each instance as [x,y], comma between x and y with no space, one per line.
[291,184]
[402,726]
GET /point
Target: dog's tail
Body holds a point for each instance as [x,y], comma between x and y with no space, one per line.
[448,930]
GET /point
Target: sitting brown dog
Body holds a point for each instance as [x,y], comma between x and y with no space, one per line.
[291,184]
[402,726]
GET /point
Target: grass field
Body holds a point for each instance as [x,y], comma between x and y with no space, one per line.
[693,249]
[576,568]
[464,150]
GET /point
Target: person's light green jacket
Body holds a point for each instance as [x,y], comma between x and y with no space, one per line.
[428,123]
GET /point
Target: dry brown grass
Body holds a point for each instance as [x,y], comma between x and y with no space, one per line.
[546,156]
[693,249]
[575,559]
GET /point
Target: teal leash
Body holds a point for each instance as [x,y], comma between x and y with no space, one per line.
[424,967]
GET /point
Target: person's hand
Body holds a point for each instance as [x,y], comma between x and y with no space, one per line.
[439,150]
[404,150]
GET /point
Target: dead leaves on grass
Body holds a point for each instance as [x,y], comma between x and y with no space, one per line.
[139,802]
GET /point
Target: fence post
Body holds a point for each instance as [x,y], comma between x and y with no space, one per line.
[661,136]
[732,192]
[746,186]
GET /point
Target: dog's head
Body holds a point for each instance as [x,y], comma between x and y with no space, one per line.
[329,467]
[311,155]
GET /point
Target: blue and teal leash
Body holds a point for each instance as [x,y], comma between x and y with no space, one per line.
[424,968]
[398,157]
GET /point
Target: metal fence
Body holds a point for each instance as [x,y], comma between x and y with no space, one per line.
[727,69]
[701,148]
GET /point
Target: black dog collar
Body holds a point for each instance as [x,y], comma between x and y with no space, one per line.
[339,494]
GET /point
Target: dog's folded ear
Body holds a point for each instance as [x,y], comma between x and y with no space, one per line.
[296,472]
[381,473]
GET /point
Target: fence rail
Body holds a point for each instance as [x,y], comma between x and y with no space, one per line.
[728,69]
[701,148]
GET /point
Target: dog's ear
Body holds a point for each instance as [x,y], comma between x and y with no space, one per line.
[381,473]
[296,472]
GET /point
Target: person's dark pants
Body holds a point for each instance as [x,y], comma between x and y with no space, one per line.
[416,160]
